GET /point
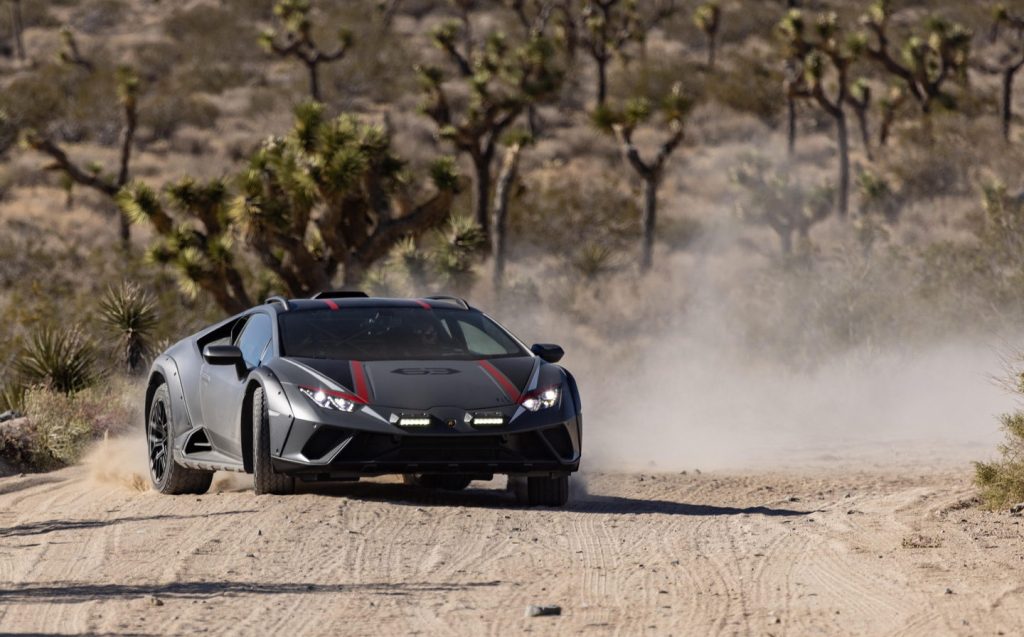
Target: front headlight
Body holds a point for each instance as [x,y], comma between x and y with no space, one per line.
[330,399]
[541,398]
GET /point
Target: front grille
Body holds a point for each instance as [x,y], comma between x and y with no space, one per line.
[370,448]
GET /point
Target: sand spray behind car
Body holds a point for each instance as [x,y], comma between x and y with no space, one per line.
[676,382]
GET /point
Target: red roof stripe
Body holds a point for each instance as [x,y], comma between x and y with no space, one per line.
[509,388]
[424,304]
[331,304]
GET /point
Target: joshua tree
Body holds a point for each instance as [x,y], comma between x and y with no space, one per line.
[196,238]
[651,171]
[708,18]
[926,63]
[816,53]
[506,179]
[776,201]
[130,312]
[329,198]
[890,105]
[606,27]
[1008,30]
[17,27]
[859,99]
[502,80]
[92,175]
[295,39]
[69,53]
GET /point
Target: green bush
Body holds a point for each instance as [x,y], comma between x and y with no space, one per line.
[163,112]
[1002,481]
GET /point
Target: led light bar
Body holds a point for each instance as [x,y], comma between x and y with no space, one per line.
[488,421]
[414,422]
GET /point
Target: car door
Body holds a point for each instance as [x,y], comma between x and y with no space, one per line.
[223,386]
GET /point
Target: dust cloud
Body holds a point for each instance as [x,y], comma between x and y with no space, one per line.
[119,460]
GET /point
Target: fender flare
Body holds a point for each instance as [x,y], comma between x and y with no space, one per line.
[280,414]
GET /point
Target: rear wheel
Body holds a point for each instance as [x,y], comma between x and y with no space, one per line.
[168,476]
[540,491]
[265,478]
[437,481]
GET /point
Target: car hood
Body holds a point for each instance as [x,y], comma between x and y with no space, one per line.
[426,384]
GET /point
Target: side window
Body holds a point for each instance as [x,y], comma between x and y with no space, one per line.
[478,342]
[254,338]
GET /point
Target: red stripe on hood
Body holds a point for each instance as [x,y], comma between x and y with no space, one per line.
[359,380]
[331,304]
[506,385]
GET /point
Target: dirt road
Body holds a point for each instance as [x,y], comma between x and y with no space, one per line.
[841,552]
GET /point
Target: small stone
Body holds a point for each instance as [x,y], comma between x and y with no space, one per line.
[793,498]
[543,611]
[155,601]
[250,555]
[1017,508]
[949,591]
[259,532]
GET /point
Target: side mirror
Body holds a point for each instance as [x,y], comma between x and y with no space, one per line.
[222,355]
[548,352]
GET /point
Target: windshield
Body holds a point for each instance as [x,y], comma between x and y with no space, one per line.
[394,333]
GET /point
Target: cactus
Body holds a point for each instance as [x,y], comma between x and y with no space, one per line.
[503,80]
[708,18]
[774,200]
[924,64]
[328,199]
[90,175]
[817,50]
[623,123]
[294,38]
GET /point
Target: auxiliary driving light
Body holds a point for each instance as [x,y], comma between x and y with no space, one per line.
[414,422]
[488,421]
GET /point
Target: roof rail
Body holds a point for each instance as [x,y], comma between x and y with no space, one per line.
[340,294]
[445,297]
[278,299]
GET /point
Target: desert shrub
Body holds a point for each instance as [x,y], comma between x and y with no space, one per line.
[94,16]
[163,112]
[1002,481]
[60,358]
[553,211]
[749,85]
[12,396]
[62,425]
[212,48]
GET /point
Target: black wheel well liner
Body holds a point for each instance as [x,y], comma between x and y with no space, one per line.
[245,422]
[155,380]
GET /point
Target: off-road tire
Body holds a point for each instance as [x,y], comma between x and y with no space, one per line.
[547,492]
[265,478]
[440,481]
[169,478]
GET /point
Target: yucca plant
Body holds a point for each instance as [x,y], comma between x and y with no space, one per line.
[130,312]
[593,259]
[12,396]
[61,358]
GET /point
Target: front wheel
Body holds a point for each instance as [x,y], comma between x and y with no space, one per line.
[540,491]
[168,476]
[265,478]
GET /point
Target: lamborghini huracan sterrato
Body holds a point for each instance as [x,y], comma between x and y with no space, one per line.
[343,386]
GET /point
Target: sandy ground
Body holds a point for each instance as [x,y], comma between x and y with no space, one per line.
[819,551]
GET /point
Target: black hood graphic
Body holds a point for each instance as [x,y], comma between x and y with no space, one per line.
[422,385]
